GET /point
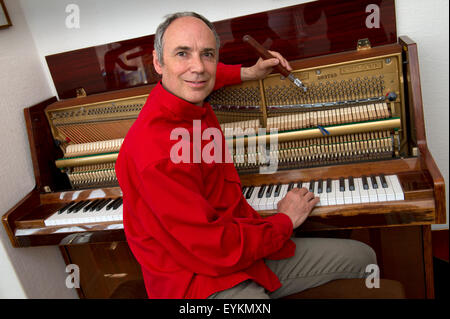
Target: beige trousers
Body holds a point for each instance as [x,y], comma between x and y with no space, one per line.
[316,262]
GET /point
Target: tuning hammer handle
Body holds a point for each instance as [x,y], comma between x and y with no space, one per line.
[265,54]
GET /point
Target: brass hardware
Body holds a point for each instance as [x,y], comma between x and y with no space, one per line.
[87,160]
[314,133]
[81,92]
[363,44]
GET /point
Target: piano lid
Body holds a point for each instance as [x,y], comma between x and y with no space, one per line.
[306,30]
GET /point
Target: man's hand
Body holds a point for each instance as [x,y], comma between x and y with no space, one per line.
[262,68]
[297,204]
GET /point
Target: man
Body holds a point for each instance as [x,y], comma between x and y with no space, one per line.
[187,222]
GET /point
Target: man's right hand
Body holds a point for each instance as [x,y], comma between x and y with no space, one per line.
[297,204]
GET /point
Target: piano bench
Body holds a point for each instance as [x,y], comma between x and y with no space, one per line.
[353,289]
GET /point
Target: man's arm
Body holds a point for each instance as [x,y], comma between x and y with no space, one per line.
[235,74]
[197,236]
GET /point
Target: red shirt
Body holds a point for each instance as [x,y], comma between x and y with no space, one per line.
[188,224]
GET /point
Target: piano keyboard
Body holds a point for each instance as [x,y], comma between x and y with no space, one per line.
[88,211]
[343,191]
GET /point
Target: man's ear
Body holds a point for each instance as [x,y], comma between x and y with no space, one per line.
[156,63]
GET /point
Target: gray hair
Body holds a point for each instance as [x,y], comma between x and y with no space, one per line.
[158,42]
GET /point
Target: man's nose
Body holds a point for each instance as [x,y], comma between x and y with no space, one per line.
[197,64]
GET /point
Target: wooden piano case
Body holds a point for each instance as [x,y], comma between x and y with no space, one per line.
[400,232]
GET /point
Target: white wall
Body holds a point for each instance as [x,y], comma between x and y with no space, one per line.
[426,22]
[37,272]
[27,81]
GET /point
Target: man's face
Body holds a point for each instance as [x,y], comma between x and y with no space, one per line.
[190,60]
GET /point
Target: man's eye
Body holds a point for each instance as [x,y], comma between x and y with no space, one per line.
[209,54]
[181,53]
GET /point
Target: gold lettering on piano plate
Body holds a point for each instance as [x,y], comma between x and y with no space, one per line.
[361,67]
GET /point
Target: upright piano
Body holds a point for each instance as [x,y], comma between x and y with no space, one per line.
[356,138]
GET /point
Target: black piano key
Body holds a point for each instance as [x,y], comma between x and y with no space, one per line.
[341,184]
[374,181]
[311,186]
[277,190]
[383,181]
[249,192]
[351,183]
[261,191]
[244,190]
[320,186]
[269,190]
[329,187]
[291,186]
[93,207]
[118,204]
[84,203]
[299,184]
[111,204]
[103,204]
[364,181]
[62,210]
[71,209]
[88,207]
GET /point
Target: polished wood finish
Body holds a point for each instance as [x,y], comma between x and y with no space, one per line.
[43,150]
[114,263]
[299,31]
[415,105]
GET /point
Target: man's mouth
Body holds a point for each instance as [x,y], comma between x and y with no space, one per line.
[196,83]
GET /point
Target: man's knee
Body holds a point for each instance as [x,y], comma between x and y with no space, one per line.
[360,255]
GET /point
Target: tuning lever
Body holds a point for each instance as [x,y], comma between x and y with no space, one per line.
[266,55]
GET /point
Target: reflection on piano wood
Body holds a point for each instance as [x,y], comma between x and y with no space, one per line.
[362,116]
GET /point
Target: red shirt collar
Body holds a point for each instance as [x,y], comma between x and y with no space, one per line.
[179,107]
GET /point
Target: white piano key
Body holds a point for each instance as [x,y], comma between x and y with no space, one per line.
[316,192]
[271,200]
[57,219]
[283,192]
[381,193]
[331,197]
[397,187]
[356,196]
[338,193]
[263,200]
[373,198]
[390,195]
[253,200]
[347,194]
[322,196]
[363,193]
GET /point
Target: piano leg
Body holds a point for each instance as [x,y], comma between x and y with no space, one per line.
[428,261]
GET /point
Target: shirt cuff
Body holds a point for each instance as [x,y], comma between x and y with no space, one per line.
[232,71]
[283,224]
